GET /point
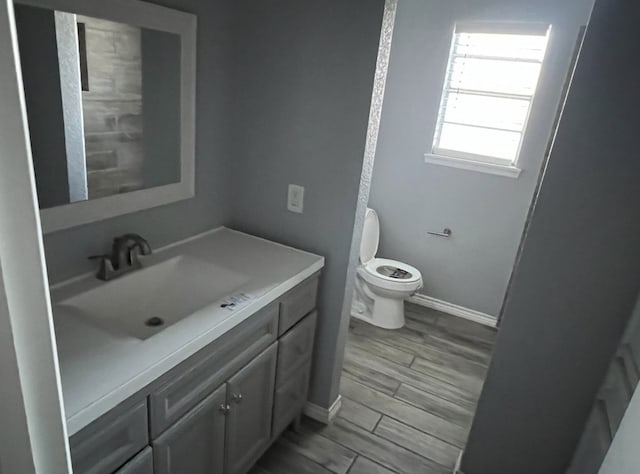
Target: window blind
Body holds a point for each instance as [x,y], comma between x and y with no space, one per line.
[489,87]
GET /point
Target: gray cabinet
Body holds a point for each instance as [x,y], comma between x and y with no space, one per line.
[108,443]
[296,303]
[250,397]
[219,410]
[141,464]
[184,387]
[195,444]
[290,398]
[295,349]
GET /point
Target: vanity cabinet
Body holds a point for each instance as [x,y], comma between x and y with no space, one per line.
[195,444]
[141,464]
[218,411]
[295,349]
[106,444]
[250,402]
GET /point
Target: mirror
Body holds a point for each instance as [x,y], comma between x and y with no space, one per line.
[109,105]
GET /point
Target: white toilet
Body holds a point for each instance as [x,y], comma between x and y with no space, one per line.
[381,284]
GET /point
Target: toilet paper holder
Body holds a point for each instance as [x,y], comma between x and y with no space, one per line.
[446,233]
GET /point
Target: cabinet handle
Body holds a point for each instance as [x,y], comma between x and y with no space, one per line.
[237,397]
[224,408]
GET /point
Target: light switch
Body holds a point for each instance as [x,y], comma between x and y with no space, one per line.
[295,198]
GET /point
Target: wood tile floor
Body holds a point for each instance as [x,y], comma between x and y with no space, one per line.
[408,400]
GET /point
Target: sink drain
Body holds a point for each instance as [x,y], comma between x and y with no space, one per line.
[154,322]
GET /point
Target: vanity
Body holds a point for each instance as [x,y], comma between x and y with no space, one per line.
[210,392]
[189,359]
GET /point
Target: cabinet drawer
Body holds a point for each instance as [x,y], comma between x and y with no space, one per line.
[290,398]
[108,443]
[189,383]
[296,347]
[297,303]
[141,464]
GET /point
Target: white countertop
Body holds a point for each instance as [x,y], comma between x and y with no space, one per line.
[101,369]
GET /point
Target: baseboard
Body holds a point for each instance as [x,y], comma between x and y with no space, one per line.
[321,414]
[456,468]
[453,309]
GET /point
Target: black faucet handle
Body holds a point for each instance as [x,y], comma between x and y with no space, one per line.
[106,266]
[134,255]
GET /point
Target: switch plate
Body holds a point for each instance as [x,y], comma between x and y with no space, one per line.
[295,198]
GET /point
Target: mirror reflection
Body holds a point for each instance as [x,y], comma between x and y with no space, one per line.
[103,105]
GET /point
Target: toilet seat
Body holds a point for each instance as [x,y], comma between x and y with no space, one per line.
[375,272]
[381,284]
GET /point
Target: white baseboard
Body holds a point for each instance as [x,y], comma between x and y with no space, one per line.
[453,309]
[323,415]
[456,468]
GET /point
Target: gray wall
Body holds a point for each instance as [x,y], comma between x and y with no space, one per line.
[41,76]
[284,90]
[577,281]
[303,90]
[485,212]
[67,250]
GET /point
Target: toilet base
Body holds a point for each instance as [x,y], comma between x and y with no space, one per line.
[387,313]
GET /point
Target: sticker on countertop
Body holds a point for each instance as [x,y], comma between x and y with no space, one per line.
[235,301]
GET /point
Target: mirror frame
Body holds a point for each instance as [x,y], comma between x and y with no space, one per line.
[143,15]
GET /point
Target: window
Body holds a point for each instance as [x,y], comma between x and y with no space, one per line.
[488,91]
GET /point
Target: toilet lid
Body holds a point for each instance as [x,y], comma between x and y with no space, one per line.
[370,236]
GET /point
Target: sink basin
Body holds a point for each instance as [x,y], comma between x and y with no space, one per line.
[148,301]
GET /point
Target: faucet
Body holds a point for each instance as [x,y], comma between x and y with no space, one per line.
[124,257]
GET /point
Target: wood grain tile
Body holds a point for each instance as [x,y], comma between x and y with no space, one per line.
[282,459]
[418,442]
[408,414]
[454,346]
[323,451]
[421,313]
[365,466]
[359,414]
[381,381]
[452,369]
[380,450]
[426,401]
[381,349]
[467,329]
[357,361]
[364,329]
[415,339]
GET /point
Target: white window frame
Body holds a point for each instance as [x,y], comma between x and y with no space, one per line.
[482,163]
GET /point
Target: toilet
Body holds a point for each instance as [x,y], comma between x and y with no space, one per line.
[381,285]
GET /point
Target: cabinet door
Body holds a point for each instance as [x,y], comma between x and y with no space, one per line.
[141,464]
[250,396]
[195,444]
[291,396]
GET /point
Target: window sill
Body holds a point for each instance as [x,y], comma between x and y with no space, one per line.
[508,171]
